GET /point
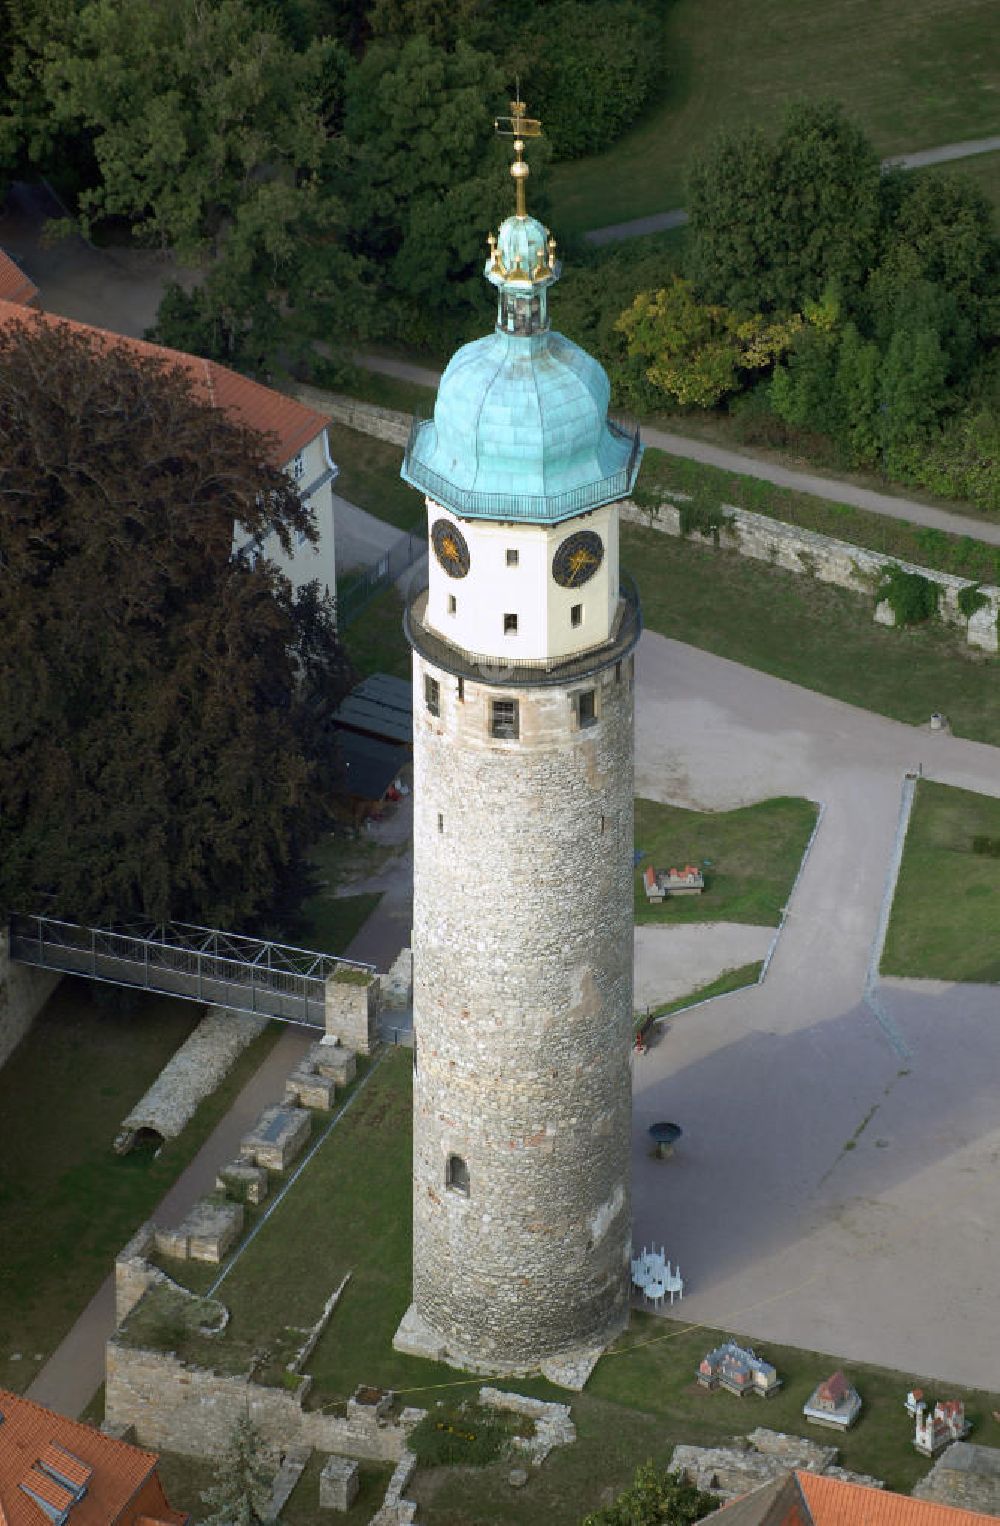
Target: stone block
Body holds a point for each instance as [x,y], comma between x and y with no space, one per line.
[206,1233]
[335,1061]
[246,1181]
[308,1089]
[338,1483]
[278,1136]
[172,1242]
[884,613]
[352,1005]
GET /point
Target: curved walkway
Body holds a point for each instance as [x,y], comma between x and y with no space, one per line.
[834,489]
[661,222]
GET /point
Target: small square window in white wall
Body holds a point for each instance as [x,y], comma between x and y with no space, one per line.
[457,1175]
[513,557]
[432,694]
[576,615]
[510,625]
[504,719]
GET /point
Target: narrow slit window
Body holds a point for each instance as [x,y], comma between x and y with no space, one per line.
[576,615]
[504,718]
[432,694]
[457,1175]
[452,604]
[461,690]
[510,625]
[441,821]
[618,672]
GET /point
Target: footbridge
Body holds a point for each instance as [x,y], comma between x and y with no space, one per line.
[195,963]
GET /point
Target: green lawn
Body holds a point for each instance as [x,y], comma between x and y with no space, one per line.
[350,1211]
[812,634]
[67,1202]
[665,475]
[946,910]
[749,858]
[915,76]
[374,640]
[185,1479]
[369,476]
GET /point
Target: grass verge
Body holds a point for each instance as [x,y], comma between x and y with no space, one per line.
[67,1202]
[369,476]
[730,980]
[811,634]
[944,912]
[185,1480]
[375,642]
[749,858]
[962,555]
[915,76]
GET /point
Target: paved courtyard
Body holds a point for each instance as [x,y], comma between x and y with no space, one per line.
[837,1186]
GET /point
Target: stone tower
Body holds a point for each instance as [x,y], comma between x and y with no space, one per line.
[523,783]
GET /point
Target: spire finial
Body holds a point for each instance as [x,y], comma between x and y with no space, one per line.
[518,126]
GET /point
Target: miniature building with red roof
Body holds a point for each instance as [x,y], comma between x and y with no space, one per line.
[59,1472]
[938,1427]
[297,436]
[833,1402]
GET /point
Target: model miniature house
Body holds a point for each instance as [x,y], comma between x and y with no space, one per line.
[914,1401]
[686,881]
[834,1402]
[738,1369]
[938,1428]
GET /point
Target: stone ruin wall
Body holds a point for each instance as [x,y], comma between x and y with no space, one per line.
[829,561]
[522,963]
[174,1406]
[23,993]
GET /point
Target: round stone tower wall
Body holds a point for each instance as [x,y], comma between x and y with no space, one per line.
[522,1015]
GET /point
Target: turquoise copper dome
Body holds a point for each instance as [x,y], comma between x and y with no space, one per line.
[520,428]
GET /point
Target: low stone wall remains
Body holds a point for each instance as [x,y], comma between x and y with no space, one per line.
[174,1406]
[382,423]
[192,1074]
[966,1476]
[23,993]
[829,561]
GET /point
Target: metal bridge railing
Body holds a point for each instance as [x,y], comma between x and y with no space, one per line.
[201,964]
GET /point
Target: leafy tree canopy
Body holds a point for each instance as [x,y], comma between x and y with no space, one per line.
[192,109]
[165,752]
[772,221]
[696,352]
[656,1498]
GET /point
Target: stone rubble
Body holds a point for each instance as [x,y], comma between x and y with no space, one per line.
[758,1459]
[553,1425]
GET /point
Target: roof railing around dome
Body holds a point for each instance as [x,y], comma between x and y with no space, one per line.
[524,672]
[540,508]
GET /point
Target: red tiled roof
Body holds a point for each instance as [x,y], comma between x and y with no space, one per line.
[14,284]
[30,1435]
[832,1502]
[249,402]
[834,1388]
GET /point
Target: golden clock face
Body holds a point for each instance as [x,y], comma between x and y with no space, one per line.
[577,559]
[450,548]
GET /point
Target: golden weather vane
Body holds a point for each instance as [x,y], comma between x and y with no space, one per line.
[518,126]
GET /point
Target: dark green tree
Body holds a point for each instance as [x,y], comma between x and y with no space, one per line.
[656,1498]
[773,221]
[241,1493]
[163,750]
